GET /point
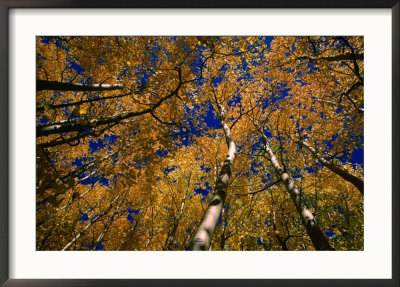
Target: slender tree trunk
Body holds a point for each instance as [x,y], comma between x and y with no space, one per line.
[358,183]
[151,232]
[281,241]
[78,197]
[318,239]
[78,236]
[45,238]
[223,237]
[75,140]
[336,104]
[126,241]
[61,86]
[42,108]
[79,125]
[335,58]
[107,228]
[205,231]
[94,221]
[72,175]
[170,239]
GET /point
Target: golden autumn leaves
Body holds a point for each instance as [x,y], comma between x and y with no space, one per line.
[165,161]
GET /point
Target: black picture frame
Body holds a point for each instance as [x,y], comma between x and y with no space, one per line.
[6,5]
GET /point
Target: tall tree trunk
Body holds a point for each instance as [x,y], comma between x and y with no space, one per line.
[318,239]
[61,86]
[358,183]
[205,231]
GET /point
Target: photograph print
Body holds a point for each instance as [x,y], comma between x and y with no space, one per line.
[186,143]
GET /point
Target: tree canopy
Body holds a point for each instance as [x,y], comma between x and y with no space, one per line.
[199,143]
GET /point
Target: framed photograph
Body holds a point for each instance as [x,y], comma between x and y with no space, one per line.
[199,144]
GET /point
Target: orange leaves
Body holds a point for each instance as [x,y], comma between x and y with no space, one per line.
[170,158]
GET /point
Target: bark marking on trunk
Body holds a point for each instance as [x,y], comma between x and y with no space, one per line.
[205,231]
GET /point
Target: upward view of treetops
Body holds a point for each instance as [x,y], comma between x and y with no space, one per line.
[199,143]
